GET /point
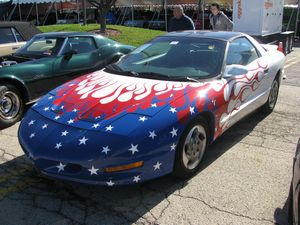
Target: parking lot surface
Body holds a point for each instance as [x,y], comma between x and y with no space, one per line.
[244,179]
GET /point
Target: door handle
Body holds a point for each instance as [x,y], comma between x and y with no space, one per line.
[266,70]
[15,48]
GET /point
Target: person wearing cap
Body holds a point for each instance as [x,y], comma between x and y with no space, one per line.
[180,21]
[218,20]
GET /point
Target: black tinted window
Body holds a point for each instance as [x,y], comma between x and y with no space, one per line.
[241,52]
[6,36]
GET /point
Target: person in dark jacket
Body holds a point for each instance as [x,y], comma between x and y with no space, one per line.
[218,20]
[180,21]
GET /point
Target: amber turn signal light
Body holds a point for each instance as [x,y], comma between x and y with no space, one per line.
[124,167]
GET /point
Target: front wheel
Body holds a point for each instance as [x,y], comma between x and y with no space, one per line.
[191,148]
[269,106]
[11,105]
[290,203]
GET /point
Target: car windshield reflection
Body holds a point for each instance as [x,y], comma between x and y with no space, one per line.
[42,47]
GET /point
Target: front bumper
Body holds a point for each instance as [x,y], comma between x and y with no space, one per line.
[63,157]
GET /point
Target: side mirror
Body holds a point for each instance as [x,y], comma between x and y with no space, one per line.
[68,55]
[235,70]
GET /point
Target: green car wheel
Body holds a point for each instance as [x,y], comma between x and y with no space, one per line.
[11,105]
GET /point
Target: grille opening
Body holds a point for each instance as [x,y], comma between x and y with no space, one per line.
[73,168]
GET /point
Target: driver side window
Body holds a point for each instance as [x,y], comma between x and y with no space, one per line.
[80,45]
[241,52]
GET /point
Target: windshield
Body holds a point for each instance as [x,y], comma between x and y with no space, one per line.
[42,46]
[174,57]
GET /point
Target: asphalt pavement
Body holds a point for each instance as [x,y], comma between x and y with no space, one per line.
[244,179]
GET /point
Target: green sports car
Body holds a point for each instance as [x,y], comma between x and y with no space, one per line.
[47,61]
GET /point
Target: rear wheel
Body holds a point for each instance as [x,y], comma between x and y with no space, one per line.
[191,148]
[11,105]
[269,106]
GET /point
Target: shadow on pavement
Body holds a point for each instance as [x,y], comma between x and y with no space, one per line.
[281,215]
[26,198]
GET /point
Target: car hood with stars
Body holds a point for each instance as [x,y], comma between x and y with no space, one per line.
[99,99]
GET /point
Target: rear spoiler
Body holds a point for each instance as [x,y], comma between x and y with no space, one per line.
[272,47]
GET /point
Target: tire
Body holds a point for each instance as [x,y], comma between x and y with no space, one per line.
[290,202]
[191,148]
[269,106]
[11,105]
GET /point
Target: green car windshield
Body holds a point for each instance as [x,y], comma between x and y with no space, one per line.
[42,47]
[175,57]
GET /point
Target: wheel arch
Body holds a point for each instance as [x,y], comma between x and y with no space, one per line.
[211,121]
[18,84]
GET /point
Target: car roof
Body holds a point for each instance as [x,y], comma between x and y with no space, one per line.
[26,29]
[220,35]
[65,34]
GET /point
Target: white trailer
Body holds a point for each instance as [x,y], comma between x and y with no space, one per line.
[262,19]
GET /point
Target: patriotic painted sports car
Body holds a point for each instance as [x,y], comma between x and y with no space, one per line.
[154,112]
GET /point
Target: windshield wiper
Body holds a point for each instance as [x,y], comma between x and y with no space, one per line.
[185,78]
[116,69]
[154,75]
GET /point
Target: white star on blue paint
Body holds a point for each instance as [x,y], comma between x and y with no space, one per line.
[110,183]
[143,119]
[93,170]
[31,122]
[58,145]
[152,134]
[60,167]
[157,165]
[173,147]
[192,110]
[105,149]
[46,109]
[96,125]
[174,132]
[109,128]
[70,121]
[173,110]
[45,126]
[133,149]
[32,135]
[136,179]
[83,140]
[57,117]
[64,133]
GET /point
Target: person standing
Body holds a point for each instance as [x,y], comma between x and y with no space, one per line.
[218,20]
[180,21]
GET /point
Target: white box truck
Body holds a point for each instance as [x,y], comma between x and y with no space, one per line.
[262,19]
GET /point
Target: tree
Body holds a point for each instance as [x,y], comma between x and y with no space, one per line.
[103,6]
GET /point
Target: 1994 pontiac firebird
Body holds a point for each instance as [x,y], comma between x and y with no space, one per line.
[153,112]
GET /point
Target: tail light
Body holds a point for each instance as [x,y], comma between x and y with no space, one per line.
[280,47]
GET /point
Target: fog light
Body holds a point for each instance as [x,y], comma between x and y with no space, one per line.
[124,167]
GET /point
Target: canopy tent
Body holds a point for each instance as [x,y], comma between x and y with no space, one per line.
[144,2]
[35,1]
[127,3]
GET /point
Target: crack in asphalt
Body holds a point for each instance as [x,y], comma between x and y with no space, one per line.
[224,211]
